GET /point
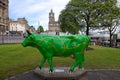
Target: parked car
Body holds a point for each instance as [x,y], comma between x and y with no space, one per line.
[106,43]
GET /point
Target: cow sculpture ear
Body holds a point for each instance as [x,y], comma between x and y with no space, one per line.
[28,32]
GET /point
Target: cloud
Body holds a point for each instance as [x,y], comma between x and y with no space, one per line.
[35,10]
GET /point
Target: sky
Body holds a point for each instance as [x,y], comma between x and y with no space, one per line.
[36,12]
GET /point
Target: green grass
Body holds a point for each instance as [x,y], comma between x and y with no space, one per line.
[103,58]
[15,59]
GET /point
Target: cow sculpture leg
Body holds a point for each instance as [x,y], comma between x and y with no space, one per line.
[80,65]
[77,61]
[50,64]
[42,62]
[81,61]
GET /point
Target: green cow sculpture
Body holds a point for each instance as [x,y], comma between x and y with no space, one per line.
[65,46]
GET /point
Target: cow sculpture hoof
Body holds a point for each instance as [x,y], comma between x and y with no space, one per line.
[81,68]
[51,71]
[70,71]
[40,68]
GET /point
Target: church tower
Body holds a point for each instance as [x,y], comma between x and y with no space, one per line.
[53,25]
[51,17]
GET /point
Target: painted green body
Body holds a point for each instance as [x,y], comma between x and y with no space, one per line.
[65,46]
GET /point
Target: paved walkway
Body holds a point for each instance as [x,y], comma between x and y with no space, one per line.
[90,75]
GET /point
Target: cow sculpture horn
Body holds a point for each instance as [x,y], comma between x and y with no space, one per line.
[28,32]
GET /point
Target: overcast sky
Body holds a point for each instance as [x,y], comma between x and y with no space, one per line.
[35,11]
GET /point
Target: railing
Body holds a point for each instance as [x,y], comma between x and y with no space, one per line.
[10,39]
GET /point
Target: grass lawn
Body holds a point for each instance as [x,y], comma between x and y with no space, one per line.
[15,59]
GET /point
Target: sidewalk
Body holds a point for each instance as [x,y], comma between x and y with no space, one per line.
[90,75]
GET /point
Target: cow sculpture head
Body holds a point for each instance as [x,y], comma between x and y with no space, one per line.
[29,40]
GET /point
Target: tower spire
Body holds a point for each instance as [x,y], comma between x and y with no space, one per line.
[51,11]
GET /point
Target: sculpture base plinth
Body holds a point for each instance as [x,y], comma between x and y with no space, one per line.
[61,73]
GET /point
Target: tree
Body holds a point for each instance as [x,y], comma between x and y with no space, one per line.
[110,18]
[84,13]
[89,14]
[68,22]
[40,29]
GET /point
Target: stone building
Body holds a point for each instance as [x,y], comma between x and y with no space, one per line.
[27,26]
[16,27]
[32,29]
[4,19]
[20,26]
[53,26]
[23,21]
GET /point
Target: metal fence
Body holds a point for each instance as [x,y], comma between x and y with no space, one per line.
[4,39]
